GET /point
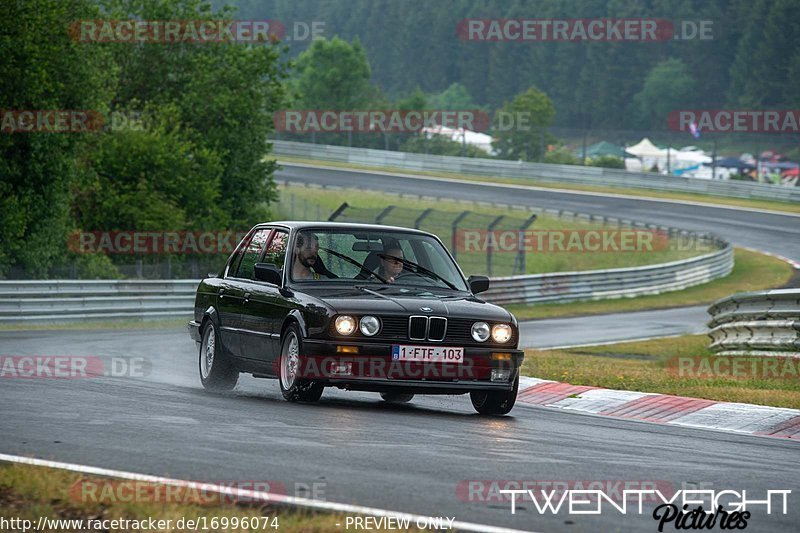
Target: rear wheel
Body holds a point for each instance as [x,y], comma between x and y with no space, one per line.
[294,388]
[495,402]
[216,372]
[397,397]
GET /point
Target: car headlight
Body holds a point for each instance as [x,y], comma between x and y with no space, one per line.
[480,331]
[369,325]
[501,333]
[345,324]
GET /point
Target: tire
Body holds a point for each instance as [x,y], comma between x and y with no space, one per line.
[216,372]
[397,397]
[293,388]
[495,402]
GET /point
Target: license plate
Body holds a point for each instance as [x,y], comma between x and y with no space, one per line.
[438,354]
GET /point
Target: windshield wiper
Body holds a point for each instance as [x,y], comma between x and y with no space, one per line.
[353,262]
[418,269]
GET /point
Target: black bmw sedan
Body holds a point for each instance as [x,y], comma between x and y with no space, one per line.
[355,306]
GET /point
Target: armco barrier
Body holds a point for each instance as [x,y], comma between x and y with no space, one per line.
[756,323]
[77,300]
[612,283]
[81,300]
[535,171]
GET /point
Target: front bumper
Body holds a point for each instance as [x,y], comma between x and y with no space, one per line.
[373,369]
[194,330]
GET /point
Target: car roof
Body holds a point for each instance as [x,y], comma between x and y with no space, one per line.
[299,225]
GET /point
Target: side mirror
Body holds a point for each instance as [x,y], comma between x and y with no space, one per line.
[478,284]
[269,273]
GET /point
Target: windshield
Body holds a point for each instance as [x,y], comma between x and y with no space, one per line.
[373,257]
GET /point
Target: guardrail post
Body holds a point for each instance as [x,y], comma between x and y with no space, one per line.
[489,229]
[519,264]
[454,231]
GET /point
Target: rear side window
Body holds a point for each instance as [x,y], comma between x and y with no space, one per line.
[251,253]
[276,249]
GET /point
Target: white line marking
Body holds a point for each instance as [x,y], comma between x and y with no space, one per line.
[547,189]
[243,493]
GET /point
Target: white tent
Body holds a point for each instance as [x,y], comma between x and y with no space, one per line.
[474,138]
[645,149]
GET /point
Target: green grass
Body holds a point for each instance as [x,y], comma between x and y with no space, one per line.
[28,492]
[773,205]
[652,366]
[752,271]
[298,202]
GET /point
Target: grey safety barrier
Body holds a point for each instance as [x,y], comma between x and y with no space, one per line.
[575,174]
[54,301]
[81,300]
[756,323]
[611,283]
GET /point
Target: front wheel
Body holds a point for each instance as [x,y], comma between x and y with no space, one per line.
[495,402]
[216,372]
[293,388]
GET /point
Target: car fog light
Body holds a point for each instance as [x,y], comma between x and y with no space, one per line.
[341,369]
[480,331]
[370,325]
[345,324]
[501,374]
[501,333]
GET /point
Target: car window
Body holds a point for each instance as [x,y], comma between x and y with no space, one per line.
[360,256]
[276,249]
[251,253]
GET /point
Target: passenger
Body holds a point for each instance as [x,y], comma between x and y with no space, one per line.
[390,267]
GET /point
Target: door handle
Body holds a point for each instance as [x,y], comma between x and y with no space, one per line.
[222,293]
[246,297]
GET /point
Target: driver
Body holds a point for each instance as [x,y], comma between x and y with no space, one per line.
[390,266]
[305,256]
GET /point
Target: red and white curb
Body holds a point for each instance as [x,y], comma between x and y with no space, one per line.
[662,408]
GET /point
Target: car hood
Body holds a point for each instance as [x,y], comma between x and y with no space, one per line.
[383,299]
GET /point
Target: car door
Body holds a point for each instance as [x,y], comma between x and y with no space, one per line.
[232,295]
[264,307]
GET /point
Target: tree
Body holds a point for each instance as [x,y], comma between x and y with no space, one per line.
[454,98]
[333,74]
[668,87]
[520,126]
[158,177]
[43,69]
[223,94]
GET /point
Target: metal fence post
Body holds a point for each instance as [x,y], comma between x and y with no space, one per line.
[489,228]
[383,214]
[519,265]
[338,212]
[418,221]
[454,230]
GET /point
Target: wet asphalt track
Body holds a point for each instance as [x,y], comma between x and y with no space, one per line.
[408,458]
